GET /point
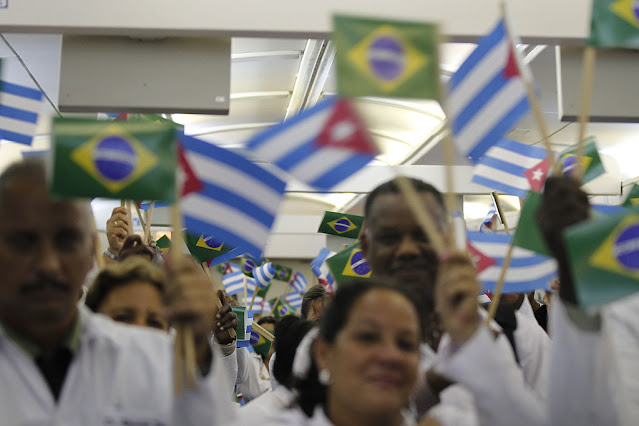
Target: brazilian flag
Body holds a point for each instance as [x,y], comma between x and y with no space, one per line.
[134,160]
[344,225]
[615,23]
[528,235]
[396,59]
[204,248]
[633,198]
[248,263]
[348,264]
[282,308]
[164,244]
[284,273]
[590,161]
[604,255]
[261,345]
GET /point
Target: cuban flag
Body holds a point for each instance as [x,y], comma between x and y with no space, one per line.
[487,94]
[322,271]
[294,299]
[320,146]
[264,274]
[235,281]
[238,201]
[19,110]
[298,282]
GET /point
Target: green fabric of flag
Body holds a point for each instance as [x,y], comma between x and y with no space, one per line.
[164,244]
[633,198]
[262,291]
[604,255]
[282,308]
[204,248]
[261,345]
[528,235]
[591,161]
[348,264]
[242,319]
[615,23]
[283,273]
[344,225]
[384,58]
[134,160]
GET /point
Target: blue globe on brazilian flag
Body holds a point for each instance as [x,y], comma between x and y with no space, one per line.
[386,58]
[348,264]
[133,160]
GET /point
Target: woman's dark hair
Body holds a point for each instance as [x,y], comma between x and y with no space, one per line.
[314,293]
[289,332]
[311,391]
[269,319]
[135,268]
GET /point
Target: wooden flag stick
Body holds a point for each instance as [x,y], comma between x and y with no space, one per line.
[129,214]
[99,257]
[253,299]
[500,212]
[218,302]
[262,331]
[189,354]
[275,304]
[149,217]
[586,95]
[137,209]
[500,284]
[423,217]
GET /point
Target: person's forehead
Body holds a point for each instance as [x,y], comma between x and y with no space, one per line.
[389,208]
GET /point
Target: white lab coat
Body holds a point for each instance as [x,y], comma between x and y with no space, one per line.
[265,405]
[119,374]
[296,417]
[255,379]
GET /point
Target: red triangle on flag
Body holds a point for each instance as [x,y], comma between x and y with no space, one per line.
[479,259]
[344,129]
[511,69]
[122,117]
[537,174]
[188,180]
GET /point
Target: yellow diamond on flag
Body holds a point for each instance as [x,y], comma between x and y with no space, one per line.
[356,265]
[625,9]
[386,58]
[209,243]
[619,252]
[341,225]
[114,158]
[569,162]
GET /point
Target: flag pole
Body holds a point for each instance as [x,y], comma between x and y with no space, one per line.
[262,331]
[500,212]
[494,303]
[218,302]
[137,209]
[99,257]
[275,304]
[588,73]
[253,298]
[149,216]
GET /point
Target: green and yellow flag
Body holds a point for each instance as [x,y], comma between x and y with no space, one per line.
[395,59]
[344,225]
[348,264]
[204,248]
[604,254]
[528,235]
[134,160]
[633,198]
[590,162]
[164,244]
[615,23]
[282,308]
[261,345]
[248,263]
[283,273]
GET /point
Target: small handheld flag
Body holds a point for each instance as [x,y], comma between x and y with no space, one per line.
[264,274]
[322,271]
[298,282]
[615,23]
[283,273]
[343,225]
[19,110]
[348,264]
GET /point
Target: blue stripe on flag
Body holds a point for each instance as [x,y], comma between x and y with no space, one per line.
[147,206]
[494,86]
[542,283]
[296,156]
[16,137]
[18,114]
[22,91]
[485,44]
[500,186]
[501,128]
[522,148]
[232,254]
[488,238]
[237,202]
[342,171]
[504,166]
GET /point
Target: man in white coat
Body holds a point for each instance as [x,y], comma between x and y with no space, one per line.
[61,364]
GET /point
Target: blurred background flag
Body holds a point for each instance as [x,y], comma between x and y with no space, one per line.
[283,273]
[19,110]
[282,308]
[487,95]
[397,59]
[132,160]
[321,146]
[294,299]
[298,282]
[341,224]
[615,23]
[264,274]
[348,264]
[234,283]
[239,200]
[322,271]
[590,162]
[633,197]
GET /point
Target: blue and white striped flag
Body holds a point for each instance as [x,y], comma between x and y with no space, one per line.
[487,95]
[293,146]
[19,110]
[527,271]
[298,282]
[322,271]
[264,274]
[239,200]
[294,299]
[502,167]
[234,283]
[248,323]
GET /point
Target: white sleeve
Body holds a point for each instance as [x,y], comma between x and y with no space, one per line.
[533,349]
[581,369]
[243,365]
[257,383]
[487,368]
[228,360]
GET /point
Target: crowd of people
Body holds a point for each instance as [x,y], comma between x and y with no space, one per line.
[408,346]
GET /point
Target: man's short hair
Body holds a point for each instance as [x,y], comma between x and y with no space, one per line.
[391,187]
[32,168]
